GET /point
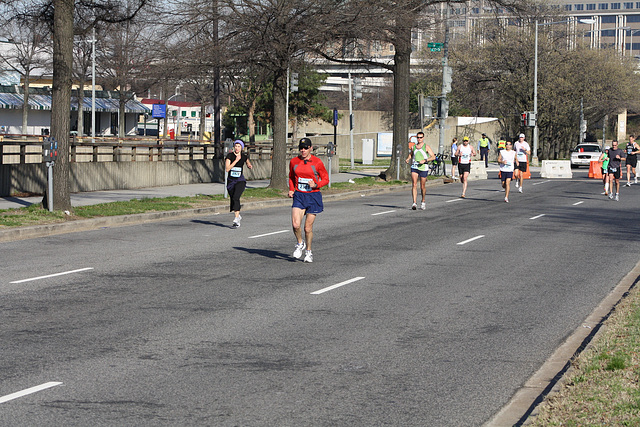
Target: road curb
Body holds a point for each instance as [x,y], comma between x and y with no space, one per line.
[553,372]
[35,231]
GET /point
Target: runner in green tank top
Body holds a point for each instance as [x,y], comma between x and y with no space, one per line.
[421,153]
[604,158]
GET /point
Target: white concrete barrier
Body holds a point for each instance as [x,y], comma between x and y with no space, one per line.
[556,169]
[478,171]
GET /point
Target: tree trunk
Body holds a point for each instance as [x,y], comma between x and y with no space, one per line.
[251,121]
[80,98]
[279,166]
[401,74]
[61,99]
[121,116]
[25,105]
[203,119]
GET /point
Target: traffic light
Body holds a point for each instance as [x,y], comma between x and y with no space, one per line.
[293,84]
[357,88]
[523,119]
[447,74]
[531,119]
[428,107]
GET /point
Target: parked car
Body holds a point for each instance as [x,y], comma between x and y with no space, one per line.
[584,154]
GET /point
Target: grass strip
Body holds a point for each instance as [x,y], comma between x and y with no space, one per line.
[603,384]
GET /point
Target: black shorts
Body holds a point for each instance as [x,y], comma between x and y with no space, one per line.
[505,175]
[522,166]
[615,172]
[464,167]
[454,160]
[632,161]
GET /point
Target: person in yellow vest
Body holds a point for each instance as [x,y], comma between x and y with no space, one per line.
[502,145]
[484,144]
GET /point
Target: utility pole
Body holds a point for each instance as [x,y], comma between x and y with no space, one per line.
[446,83]
[351,122]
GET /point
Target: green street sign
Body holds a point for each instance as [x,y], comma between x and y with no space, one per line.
[435,49]
[435,45]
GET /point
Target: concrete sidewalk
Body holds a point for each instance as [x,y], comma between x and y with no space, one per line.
[186,190]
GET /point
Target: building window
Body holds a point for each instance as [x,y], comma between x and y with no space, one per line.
[633,18]
[391,48]
[609,19]
[475,10]
[567,7]
[591,6]
[628,5]
[603,6]
[615,6]
[579,6]
[638,5]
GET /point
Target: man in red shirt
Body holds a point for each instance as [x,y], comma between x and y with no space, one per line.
[307,175]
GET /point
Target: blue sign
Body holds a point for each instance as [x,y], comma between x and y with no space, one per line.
[158,111]
[335,117]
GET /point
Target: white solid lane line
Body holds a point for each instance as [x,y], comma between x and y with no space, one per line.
[346,282]
[537,216]
[578,203]
[542,182]
[53,275]
[471,240]
[31,390]
[382,213]
[454,200]
[269,234]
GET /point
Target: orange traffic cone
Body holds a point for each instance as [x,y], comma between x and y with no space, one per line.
[595,170]
[527,173]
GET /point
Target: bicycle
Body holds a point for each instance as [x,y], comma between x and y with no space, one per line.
[436,166]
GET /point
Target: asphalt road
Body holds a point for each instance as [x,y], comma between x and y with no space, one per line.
[440,316]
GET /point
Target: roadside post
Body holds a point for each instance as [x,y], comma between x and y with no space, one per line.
[398,151]
[158,111]
[50,154]
[331,151]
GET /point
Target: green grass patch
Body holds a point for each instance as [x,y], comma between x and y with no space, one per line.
[603,385]
[34,214]
[29,215]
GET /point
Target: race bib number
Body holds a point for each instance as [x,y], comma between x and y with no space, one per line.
[465,157]
[613,169]
[415,165]
[235,172]
[303,184]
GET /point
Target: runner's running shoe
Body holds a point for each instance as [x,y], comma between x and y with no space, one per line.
[308,256]
[297,254]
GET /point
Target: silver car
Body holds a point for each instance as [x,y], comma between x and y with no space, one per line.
[584,154]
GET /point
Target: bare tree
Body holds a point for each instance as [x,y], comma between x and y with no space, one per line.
[273,34]
[28,55]
[495,78]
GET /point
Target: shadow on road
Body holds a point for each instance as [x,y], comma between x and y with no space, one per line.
[217,224]
[267,253]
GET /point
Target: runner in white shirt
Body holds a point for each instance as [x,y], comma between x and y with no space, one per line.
[464,153]
[507,161]
[523,152]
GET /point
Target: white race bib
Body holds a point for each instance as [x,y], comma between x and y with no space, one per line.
[303,184]
[235,172]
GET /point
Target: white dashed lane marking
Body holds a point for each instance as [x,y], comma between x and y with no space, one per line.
[53,275]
